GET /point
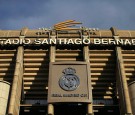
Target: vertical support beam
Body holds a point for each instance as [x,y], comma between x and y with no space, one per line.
[90,109]
[122,85]
[52,59]
[86,53]
[17,84]
[15,97]
[86,59]
[52,53]
[50,109]
[121,80]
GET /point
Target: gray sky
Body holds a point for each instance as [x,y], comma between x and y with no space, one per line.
[102,14]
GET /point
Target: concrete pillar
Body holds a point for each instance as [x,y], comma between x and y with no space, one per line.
[125,105]
[86,59]
[131,87]
[90,109]
[122,85]
[50,109]
[16,90]
[4,94]
[52,59]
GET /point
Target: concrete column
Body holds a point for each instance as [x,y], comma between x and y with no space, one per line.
[86,59]
[122,85]
[4,94]
[50,109]
[90,109]
[131,88]
[125,105]
[52,59]
[14,103]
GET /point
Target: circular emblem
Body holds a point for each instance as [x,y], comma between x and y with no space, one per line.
[69,81]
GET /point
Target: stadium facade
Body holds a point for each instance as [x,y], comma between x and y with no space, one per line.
[68,71]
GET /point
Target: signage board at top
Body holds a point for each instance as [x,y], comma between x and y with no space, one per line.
[66,41]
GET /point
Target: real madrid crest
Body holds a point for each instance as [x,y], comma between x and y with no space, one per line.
[69,81]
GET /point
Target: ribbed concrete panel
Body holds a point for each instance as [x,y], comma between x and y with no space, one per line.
[7,64]
[102,65]
[36,67]
[69,55]
[129,64]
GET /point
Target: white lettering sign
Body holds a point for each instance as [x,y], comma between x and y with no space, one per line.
[95,41]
